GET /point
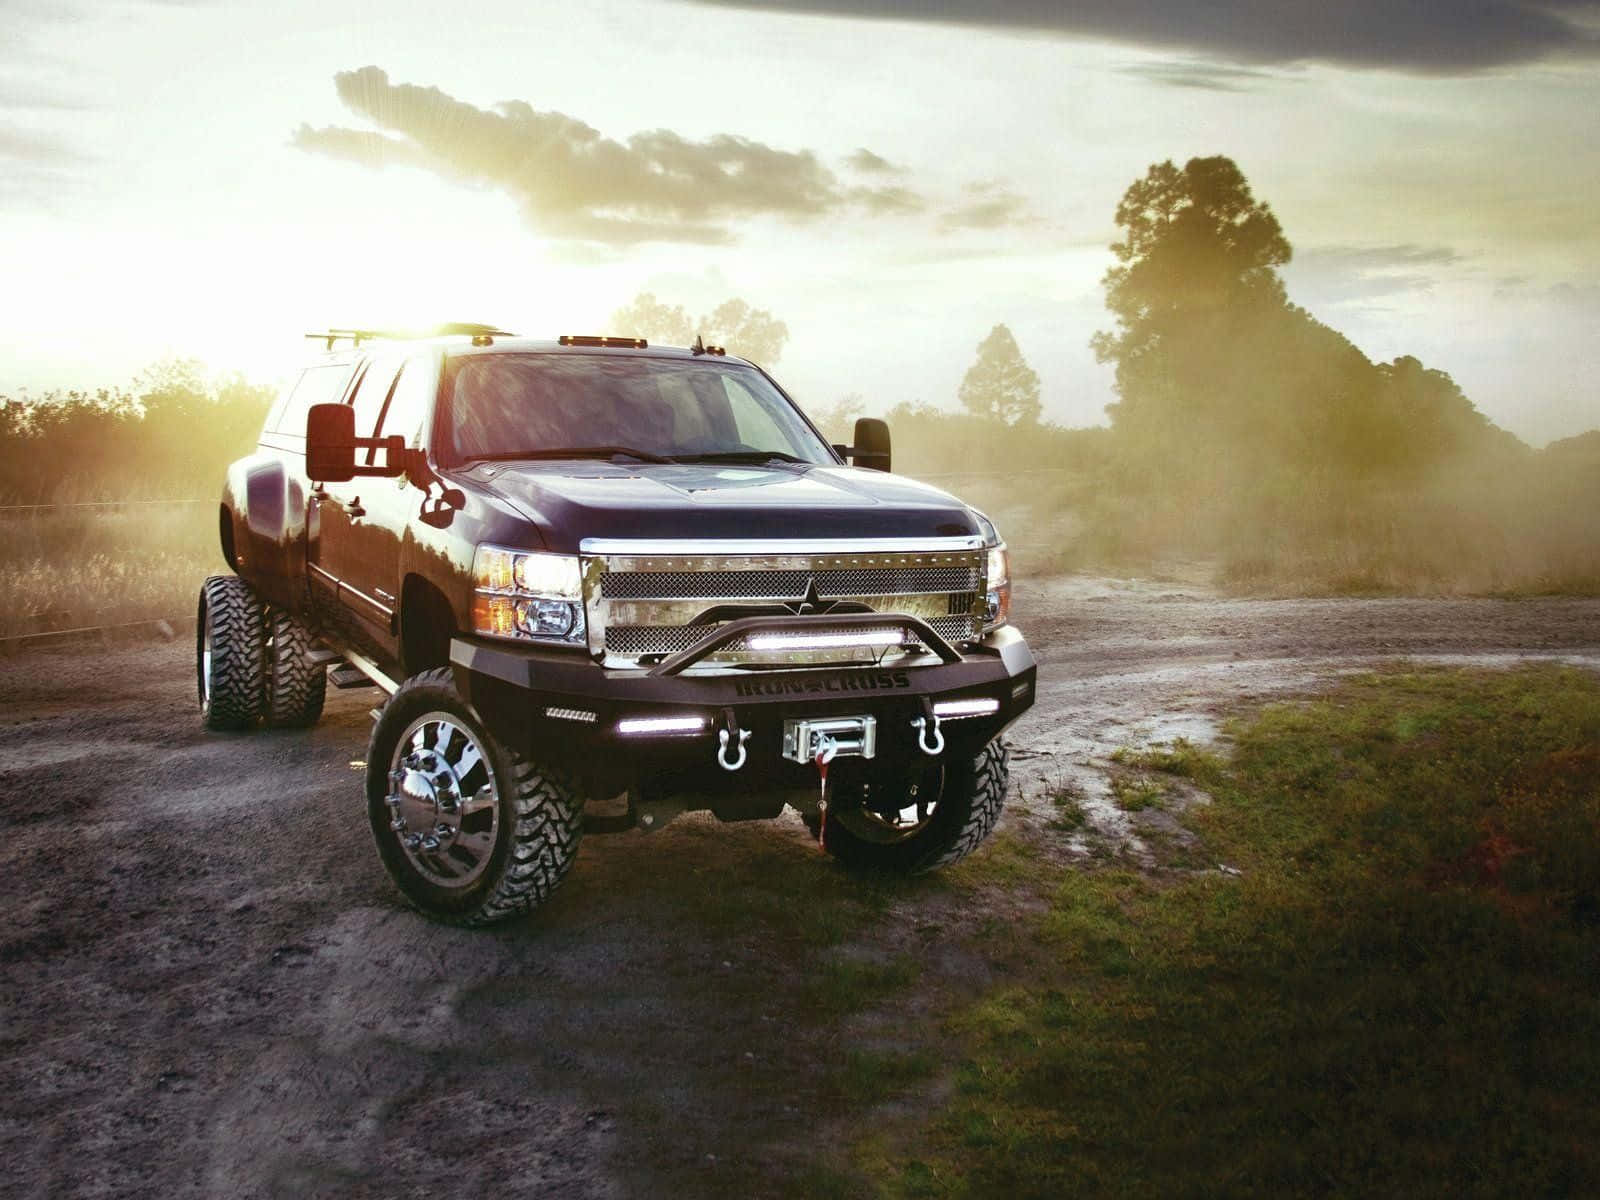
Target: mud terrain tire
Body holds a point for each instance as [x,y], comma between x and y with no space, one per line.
[229,635]
[971,794]
[431,764]
[294,686]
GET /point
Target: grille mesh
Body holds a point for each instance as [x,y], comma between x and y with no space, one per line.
[785,585]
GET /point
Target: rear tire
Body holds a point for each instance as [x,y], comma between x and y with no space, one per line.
[229,635]
[295,688]
[969,796]
[503,831]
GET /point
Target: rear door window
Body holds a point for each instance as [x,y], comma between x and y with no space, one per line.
[317,385]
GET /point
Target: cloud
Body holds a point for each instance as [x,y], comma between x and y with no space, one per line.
[37,151]
[1430,37]
[1362,274]
[989,206]
[1202,76]
[866,161]
[573,182]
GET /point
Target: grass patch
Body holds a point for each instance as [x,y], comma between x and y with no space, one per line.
[1070,813]
[1397,996]
[1136,793]
[843,985]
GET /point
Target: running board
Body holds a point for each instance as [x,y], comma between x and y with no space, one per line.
[360,671]
[347,676]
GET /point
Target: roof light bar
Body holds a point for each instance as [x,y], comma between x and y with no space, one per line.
[841,640]
[636,726]
[946,709]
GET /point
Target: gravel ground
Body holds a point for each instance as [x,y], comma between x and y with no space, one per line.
[208,986]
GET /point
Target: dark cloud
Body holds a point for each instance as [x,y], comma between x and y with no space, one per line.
[573,182]
[1423,36]
[1209,77]
[989,206]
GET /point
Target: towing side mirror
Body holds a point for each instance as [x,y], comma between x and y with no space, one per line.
[872,444]
[331,443]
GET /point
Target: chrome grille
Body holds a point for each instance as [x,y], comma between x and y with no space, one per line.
[784,585]
[644,606]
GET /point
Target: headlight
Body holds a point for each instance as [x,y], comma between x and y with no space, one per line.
[997,604]
[526,595]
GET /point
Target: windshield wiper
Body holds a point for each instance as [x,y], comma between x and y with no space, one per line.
[749,456]
[571,452]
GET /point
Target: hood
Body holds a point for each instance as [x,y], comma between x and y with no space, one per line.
[570,501]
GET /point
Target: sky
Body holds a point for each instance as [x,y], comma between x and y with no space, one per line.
[891,178]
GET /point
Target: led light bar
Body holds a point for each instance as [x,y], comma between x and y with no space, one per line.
[570,714]
[633,726]
[826,641]
[966,708]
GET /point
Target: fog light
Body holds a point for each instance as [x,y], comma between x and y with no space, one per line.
[947,709]
[635,726]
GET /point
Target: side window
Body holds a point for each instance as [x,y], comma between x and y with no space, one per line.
[372,391]
[317,385]
[411,401]
[756,426]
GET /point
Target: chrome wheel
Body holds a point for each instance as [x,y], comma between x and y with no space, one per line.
[895,811]
[442,799]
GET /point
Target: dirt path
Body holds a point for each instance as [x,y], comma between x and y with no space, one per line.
[208,987]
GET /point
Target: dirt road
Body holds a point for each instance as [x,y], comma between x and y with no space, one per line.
[209,988]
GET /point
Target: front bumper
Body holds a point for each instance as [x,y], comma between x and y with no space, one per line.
[564,709]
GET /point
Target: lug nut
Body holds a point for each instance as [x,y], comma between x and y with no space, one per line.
[413,841]
[430,843]
[398,824]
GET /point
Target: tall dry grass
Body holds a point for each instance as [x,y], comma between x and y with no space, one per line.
[66,568]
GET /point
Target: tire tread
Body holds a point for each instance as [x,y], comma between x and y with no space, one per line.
[237,644]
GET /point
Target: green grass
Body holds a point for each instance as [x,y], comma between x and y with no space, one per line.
[1396,996]
[1070,813]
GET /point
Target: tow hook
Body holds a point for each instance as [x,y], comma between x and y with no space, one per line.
[731,735]
[930,740]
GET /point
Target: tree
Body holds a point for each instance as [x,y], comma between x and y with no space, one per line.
[734,325]
[1196,242]
[1001,385]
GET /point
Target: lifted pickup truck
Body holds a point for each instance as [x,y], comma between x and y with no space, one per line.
[603,583]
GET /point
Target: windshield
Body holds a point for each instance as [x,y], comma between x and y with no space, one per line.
[539,405]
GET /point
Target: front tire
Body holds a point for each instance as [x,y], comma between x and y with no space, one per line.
[928,821]
[470,831]
[228,653]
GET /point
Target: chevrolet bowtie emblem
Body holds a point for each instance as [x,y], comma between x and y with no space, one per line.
[810,604]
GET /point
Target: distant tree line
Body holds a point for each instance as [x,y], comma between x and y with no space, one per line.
[169,437]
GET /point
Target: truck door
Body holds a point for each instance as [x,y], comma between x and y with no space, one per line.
[364,521]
